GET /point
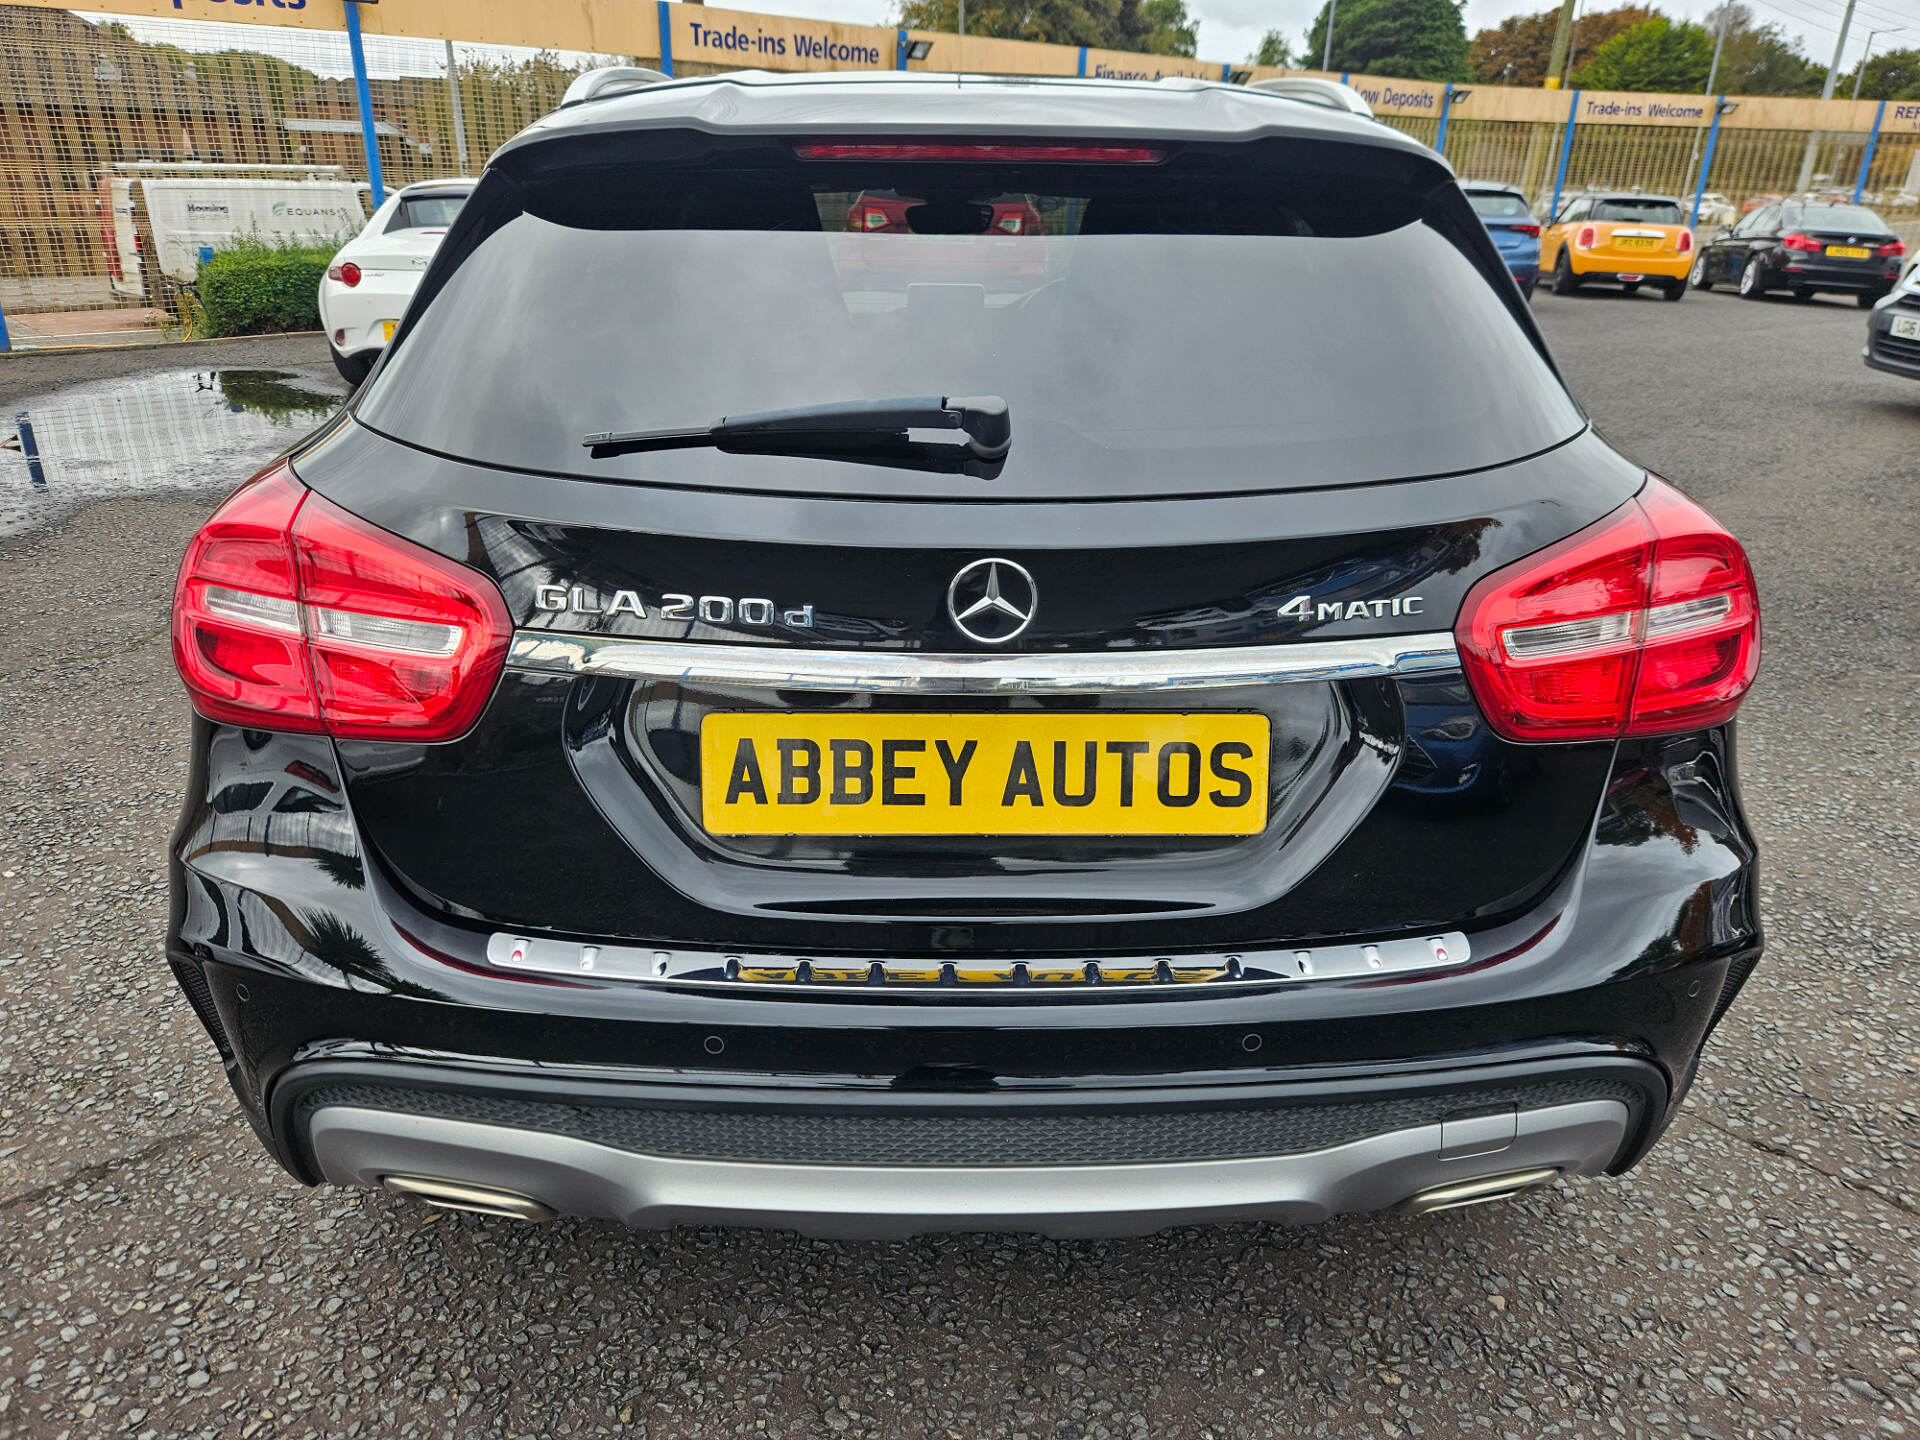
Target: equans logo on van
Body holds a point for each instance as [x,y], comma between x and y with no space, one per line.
[319,212]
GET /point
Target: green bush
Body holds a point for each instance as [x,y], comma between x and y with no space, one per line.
[249,287]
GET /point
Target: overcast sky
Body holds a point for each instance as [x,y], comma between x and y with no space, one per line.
[1231,29]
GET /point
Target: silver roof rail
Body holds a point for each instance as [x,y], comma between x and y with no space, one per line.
[610,80]
[1328,94]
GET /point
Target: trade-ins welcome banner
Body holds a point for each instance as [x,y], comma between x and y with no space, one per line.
[707,36]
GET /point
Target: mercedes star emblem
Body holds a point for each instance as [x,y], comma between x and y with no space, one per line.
[992,600]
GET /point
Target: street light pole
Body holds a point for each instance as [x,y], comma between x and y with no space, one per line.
[1713,73]
[1719,44]
[1826,93]
[1326,45]
[1860,73]
[459,116]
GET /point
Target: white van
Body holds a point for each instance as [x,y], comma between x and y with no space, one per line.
[159,220]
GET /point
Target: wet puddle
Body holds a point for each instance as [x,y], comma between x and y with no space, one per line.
[169,430]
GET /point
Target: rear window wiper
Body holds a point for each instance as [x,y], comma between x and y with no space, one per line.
[875,432]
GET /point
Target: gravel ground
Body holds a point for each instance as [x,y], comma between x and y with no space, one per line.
[159,1277]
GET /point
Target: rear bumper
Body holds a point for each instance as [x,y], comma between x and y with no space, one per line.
[367,1038]
[1092,1118]
[355,317]
[1834,278]
[935,1165]
[1651,267]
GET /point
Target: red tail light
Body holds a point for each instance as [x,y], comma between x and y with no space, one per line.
[1895,247]
[292,614]
[347,274]
[1525,229]
[1044,152]
[1584,240]
[1685,242]
[1797,241]
[1644,623]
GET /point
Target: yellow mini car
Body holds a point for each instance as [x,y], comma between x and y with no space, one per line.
[1626,240]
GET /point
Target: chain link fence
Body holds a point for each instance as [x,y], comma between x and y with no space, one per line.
[101,116]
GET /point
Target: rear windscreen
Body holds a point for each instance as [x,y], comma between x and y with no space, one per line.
[1498,205]
[1645,212]
[426,212]
[1841,217]
[1232,318]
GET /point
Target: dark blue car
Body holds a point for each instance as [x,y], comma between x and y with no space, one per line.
[1503,210]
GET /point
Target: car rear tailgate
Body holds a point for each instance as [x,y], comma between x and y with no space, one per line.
[576,804]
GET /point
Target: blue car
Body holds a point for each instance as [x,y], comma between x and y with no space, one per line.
[1503,210]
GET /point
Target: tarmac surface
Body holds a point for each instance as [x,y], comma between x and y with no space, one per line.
[1756,1276]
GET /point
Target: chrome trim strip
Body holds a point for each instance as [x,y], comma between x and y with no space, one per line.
[892,672]
[354,1145]
[529,955]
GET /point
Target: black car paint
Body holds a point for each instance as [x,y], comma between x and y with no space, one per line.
[315,944]
[1128,576]
[1608,889]
[1727,255]
[310,953]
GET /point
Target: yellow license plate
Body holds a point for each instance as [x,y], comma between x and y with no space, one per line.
[1849,252]
[1636,242]
[1140,773]
[386,330]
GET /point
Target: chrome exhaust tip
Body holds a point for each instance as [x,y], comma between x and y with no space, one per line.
[1478,1192]
[469,1199]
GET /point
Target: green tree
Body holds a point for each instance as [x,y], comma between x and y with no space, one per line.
[1653,55]
[1155,27]
[1759,59]
[1274,50]
[1173,32]
[1894,75]
[1517,50]
[1409,39]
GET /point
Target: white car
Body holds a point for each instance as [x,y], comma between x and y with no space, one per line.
[1716,210]
[370,281]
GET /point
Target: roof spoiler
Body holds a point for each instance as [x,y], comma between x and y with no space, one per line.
[610,80]
[1328,94]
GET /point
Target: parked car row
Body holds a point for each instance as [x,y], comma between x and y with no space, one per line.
[1631,239]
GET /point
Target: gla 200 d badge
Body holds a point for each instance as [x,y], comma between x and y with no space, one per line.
[713,609]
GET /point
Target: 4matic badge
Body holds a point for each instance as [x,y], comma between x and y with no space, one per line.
[1306,610]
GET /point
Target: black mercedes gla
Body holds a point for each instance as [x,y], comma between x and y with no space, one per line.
[915,653]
